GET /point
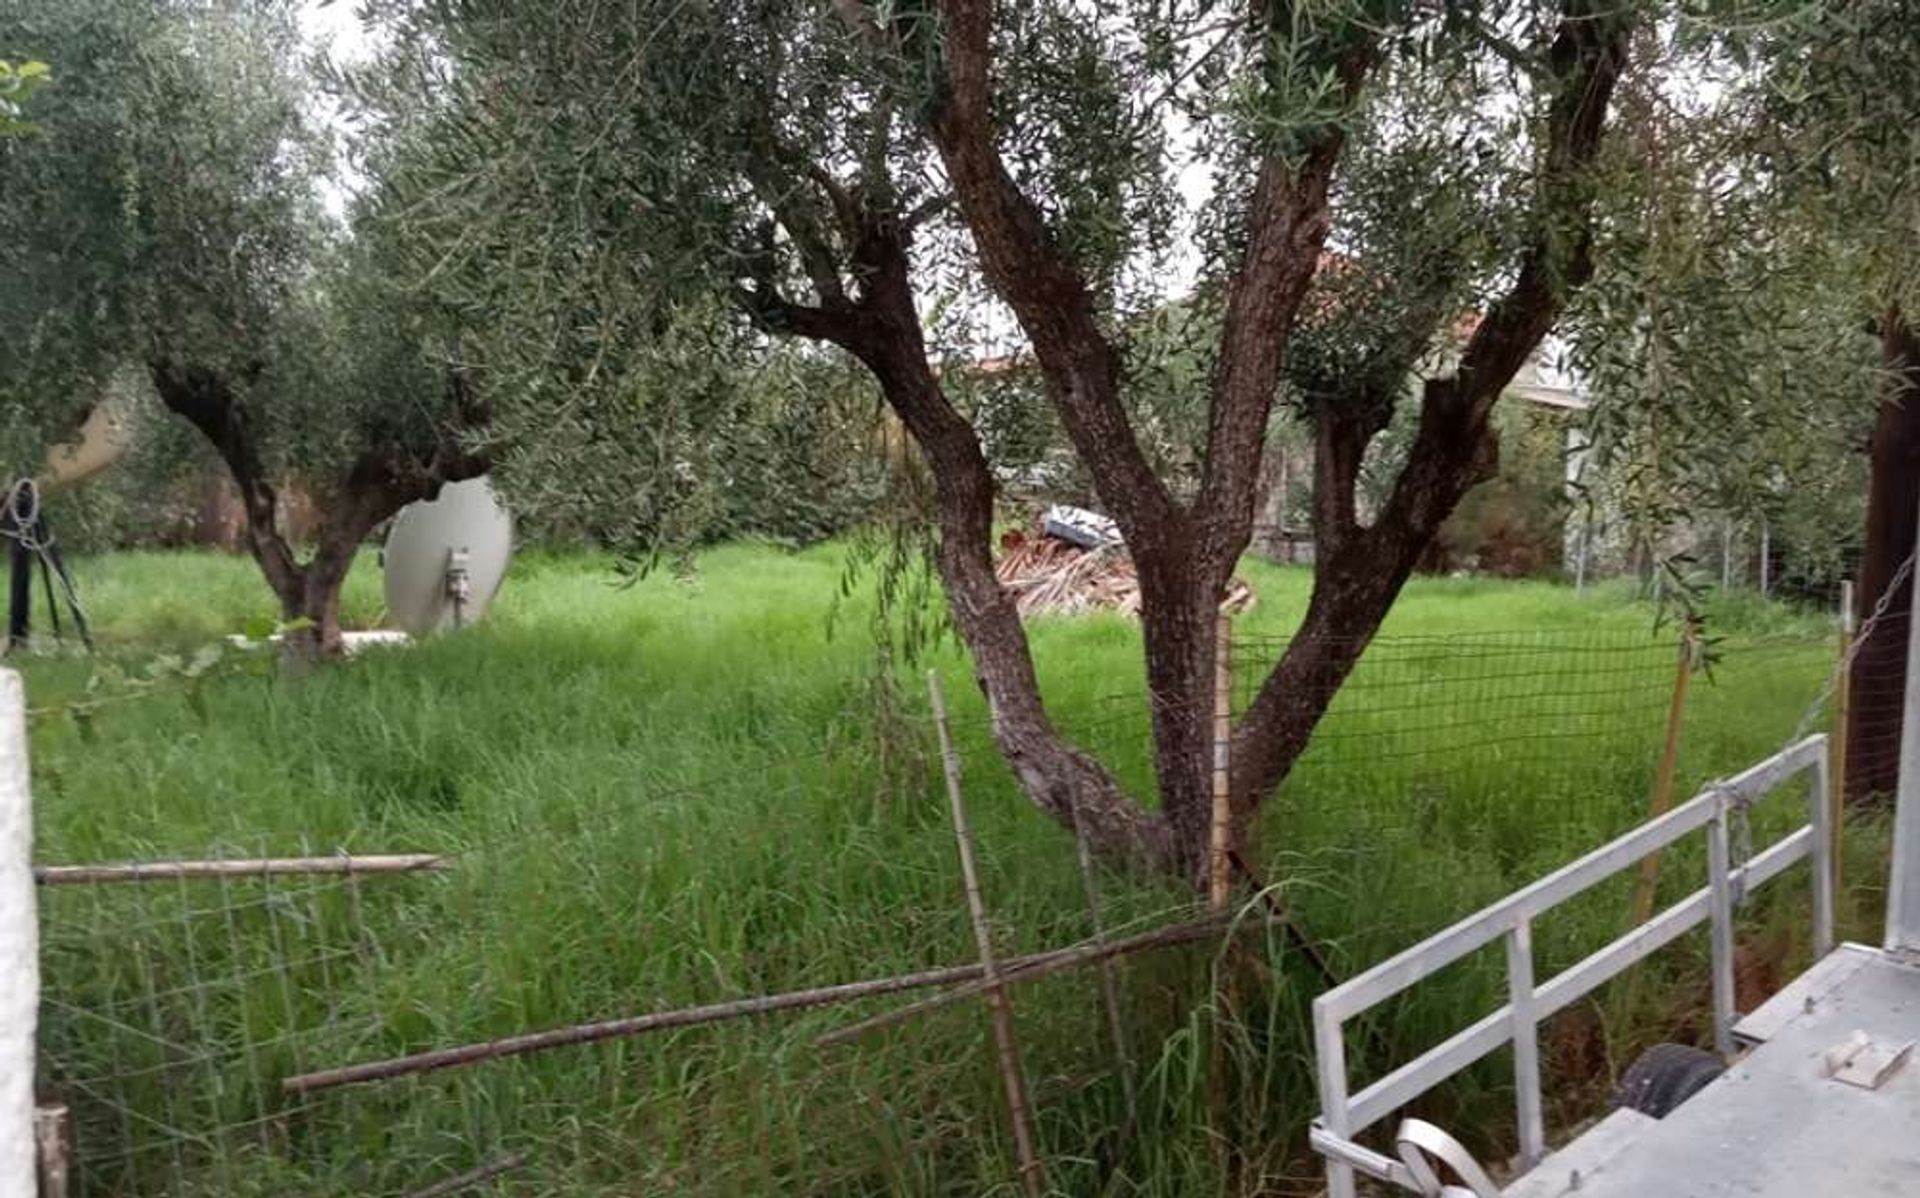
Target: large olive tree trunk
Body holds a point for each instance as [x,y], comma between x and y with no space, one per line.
[1893,521]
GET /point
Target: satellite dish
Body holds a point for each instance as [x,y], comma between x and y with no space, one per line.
[445,557]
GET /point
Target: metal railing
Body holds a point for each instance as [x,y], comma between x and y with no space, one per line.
[1344,1115]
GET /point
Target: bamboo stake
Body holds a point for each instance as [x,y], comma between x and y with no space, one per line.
[1034,968]
[1219,870]
[472,1177]
[1837,743]
[1219,876]
[1015,969]
[1006,1047]
[262,867]
[1669,761]
[1109,976]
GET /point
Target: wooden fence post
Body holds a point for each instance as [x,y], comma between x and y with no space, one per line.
[1220,841]
[1032,1172]
[53,1145]
[19,948]
[1219,883]
[1669,760]
[1766,559]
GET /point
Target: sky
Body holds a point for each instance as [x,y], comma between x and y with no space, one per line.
[333,26]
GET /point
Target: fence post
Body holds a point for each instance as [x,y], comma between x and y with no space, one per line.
[19,948]
[53,1144]
[1766,555]
[1219,882]
[1663,780]
[1720,931]
[1219,873]
[1032,1172]
[1526,1043]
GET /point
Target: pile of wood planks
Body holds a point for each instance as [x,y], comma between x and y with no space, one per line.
[1047,575]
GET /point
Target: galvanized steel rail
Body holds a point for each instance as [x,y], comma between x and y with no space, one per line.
[1344,1116]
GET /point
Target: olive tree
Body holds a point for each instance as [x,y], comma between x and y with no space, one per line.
[852,174]
[166,215]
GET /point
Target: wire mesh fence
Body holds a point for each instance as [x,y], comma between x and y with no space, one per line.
[171,1009]
[1447,771]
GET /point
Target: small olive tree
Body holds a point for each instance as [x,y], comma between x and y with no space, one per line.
[166,215]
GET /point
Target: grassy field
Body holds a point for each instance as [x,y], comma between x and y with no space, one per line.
[680,792]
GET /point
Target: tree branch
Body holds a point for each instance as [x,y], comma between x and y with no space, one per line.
[1063,781]
[1287,228]
[1503,47]
[1356,583]
[1585,61]
[1048,294]
[927,210]
[205,398]
[773,313]
[1354,402]
[800,217]
[1345,422]
[384,478]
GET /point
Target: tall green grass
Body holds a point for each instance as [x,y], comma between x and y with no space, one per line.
[681,791]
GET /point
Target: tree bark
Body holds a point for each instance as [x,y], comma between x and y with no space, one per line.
[1065,782]
[1358,573]
[1184,555]
[1270,502]
[1893,512]
[315,602]
[206,399]
[879,324]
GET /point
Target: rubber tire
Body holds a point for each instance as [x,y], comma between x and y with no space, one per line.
[1665,1076]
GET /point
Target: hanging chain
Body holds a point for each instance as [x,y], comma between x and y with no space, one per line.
[1854,646]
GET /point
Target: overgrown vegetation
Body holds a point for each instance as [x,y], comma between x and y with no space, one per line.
[682,274]
[668,794]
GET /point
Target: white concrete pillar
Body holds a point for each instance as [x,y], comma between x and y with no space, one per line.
[19,947]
